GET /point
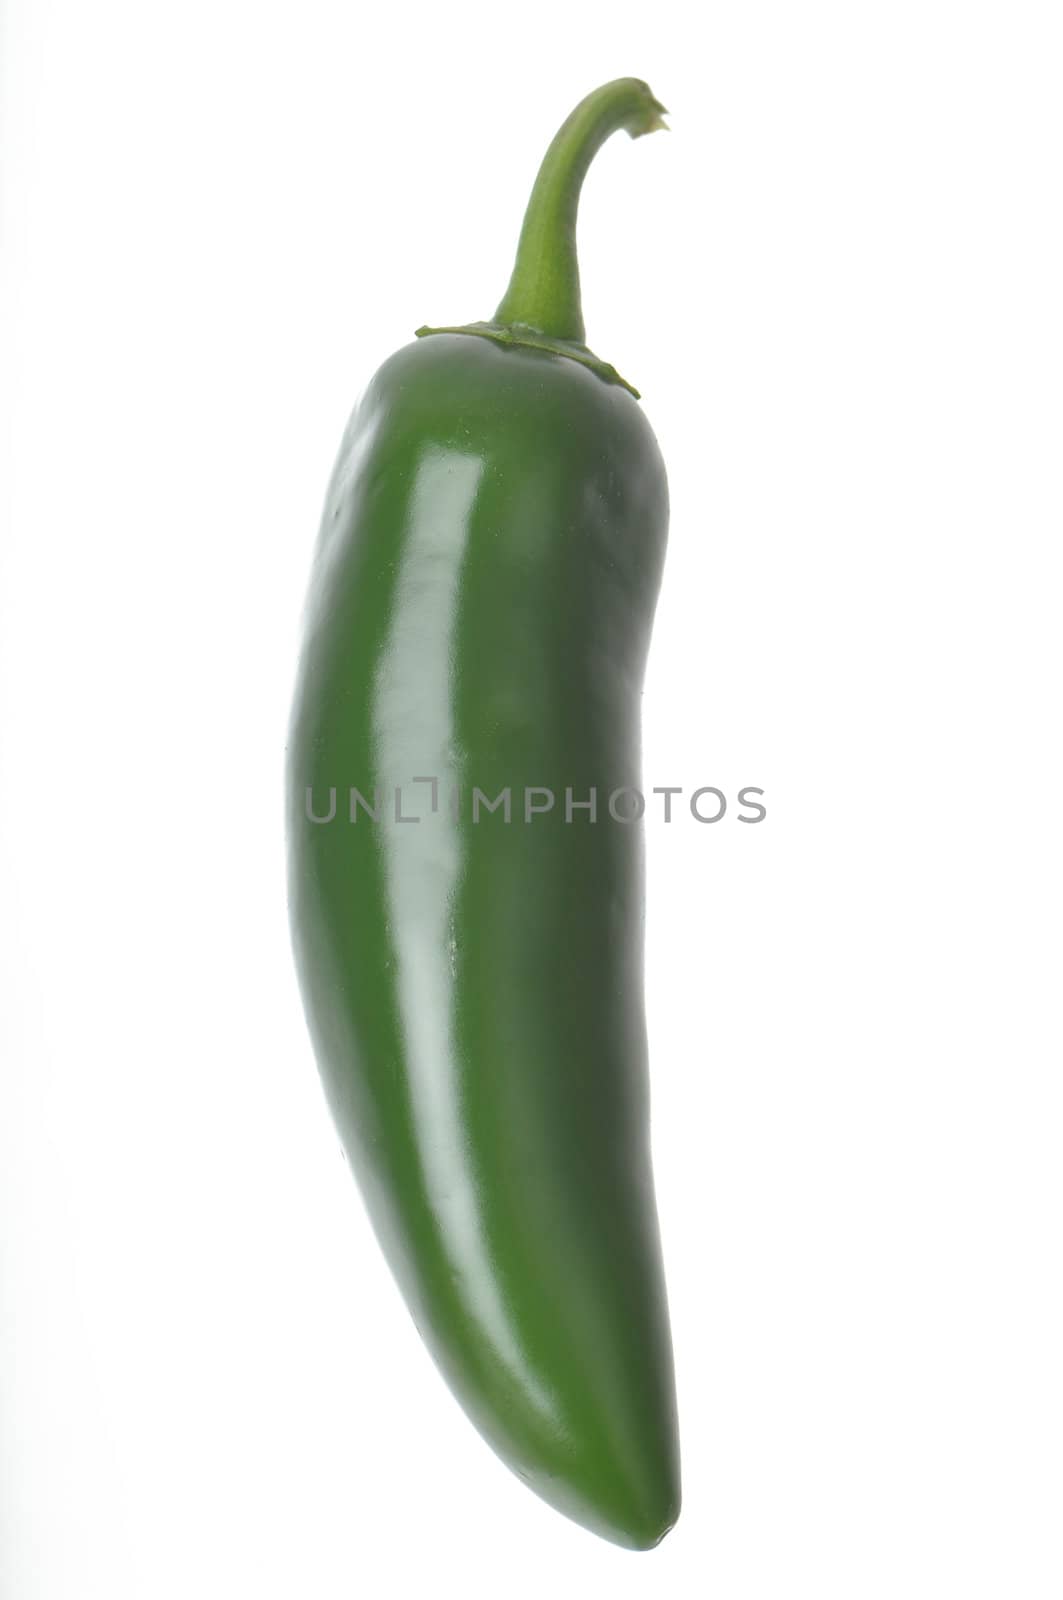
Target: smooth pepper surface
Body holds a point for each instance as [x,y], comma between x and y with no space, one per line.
[477,625]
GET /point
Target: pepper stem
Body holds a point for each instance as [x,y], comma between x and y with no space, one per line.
[544,292]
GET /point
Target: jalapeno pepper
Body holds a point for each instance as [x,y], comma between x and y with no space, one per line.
[466,891]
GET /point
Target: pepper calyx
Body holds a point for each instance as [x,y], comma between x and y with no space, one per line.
[519,335]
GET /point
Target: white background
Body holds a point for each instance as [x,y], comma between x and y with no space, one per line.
[837,283]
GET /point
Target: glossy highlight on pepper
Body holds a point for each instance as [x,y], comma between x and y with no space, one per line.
[480,610]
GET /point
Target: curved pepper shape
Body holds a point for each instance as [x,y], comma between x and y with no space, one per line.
[477,626]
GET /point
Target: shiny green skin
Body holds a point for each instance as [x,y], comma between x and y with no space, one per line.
[480,612]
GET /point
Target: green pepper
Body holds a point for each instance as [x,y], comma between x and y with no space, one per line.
[465,874]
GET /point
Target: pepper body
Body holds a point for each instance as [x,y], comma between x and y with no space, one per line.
[477,626]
